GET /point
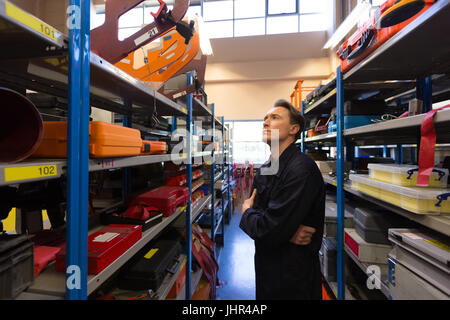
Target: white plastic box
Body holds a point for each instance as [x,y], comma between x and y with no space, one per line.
[406,175]
[414,199]
[364,251]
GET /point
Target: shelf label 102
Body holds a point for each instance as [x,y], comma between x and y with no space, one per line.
[30,172]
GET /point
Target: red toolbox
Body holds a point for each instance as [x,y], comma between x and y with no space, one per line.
[105,246]
[371,35]
[165,198]
[178,180]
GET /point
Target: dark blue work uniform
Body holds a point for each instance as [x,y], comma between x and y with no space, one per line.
[293,196]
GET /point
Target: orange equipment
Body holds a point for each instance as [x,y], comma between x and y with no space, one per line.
[391,17]
[158,61]
[105,140]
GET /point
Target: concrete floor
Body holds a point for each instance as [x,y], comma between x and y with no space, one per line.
[236,264]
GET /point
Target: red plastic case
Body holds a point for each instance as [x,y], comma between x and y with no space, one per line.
[105,246]
[165,198]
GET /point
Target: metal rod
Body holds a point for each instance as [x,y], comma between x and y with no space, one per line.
[340,185]
[189,185]
[223,175]
[213,164]
[78,151]
[303,146]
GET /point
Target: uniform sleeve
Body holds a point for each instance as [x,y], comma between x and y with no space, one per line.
[288,207]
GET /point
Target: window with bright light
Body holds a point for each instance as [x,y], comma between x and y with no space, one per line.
[249,8]
[312,22]
[217,10]
[249,27]
[281,6]
[219,29]
[247,142]
[282,24]
[236,18]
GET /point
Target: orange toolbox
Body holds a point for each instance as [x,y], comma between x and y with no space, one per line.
[105,140]
[382,25]
[153,147]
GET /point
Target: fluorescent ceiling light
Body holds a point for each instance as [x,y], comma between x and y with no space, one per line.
[352,19]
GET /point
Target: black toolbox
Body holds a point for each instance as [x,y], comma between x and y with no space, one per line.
[149,267]
[16,265]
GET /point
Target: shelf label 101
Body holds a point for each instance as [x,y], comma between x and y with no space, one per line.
[30,21]
[30,172]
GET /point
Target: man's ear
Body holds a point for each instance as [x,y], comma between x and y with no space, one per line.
[294,129]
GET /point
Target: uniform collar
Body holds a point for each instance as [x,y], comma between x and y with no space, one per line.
[283,159]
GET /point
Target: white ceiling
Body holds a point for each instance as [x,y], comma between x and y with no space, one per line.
[269,47]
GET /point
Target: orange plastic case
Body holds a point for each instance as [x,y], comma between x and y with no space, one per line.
[380,36]
[105,140]
[153,147]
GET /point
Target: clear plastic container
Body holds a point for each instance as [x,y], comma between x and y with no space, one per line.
[406,175]
[414,199]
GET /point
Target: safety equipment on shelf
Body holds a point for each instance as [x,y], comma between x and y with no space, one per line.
[21,127]
[105,246]
[105,140]
[158,61]
[372,34]
[153,147]
[104,40]
[165,199]
[395,11]
[148,268]
[204,253]
[427,145]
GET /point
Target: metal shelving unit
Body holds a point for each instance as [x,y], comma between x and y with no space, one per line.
[37,57]
[406,66]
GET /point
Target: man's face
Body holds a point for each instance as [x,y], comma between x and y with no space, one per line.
[277,118]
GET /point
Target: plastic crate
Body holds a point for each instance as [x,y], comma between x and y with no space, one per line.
[414,199]
[406,175]
[16,265]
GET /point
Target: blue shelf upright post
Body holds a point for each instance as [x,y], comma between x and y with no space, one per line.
[78,150]
[303,131]
[213,165]
[223,175]
[190,81]
[126,173]
[399,154]
[340,185]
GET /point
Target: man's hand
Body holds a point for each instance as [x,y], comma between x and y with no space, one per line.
[249,202]
[303,235]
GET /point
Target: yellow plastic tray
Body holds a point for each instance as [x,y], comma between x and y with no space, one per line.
[414,199]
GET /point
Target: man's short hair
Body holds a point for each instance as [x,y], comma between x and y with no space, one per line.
[295,115]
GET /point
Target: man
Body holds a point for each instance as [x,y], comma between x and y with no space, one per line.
[285,214]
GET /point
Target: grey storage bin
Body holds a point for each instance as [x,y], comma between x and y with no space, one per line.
[328,259]
[372,225]
[16,265]
[330,229]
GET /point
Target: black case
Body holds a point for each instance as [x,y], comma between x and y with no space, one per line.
[16,265]
[148,273]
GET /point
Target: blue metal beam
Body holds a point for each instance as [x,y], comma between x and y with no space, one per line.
[78,150]
[340,185]
[190,81]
